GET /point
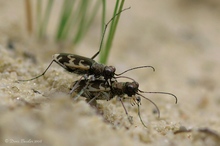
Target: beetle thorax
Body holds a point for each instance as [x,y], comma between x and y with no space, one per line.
[97,69]
[118,88]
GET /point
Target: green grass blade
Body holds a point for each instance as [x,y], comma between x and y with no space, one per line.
[65,16]
[91,17]
[74,21]
[83,6]
[103,15]
[105,52]
[86,18]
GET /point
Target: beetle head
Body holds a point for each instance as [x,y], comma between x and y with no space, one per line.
[109,72]
[131,88]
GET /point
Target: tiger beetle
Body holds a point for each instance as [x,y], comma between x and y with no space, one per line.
[87,67]
[82,65]
[100,90]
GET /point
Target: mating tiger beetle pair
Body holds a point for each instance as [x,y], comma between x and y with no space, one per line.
[98,81]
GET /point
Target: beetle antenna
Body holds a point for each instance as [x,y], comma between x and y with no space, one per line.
[138,67]
[161,93]
[158,110]
[103,35]
[139,114]
[125,77]
[138,102]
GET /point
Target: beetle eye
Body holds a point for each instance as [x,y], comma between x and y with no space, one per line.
[109,71]
[135,86]
[112,68]
[130,87]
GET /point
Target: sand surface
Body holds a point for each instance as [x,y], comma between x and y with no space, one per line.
[180,38]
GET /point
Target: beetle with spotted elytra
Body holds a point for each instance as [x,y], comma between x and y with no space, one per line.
[100,90]
[85,66]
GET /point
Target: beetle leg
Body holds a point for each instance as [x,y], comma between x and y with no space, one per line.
[130,118]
